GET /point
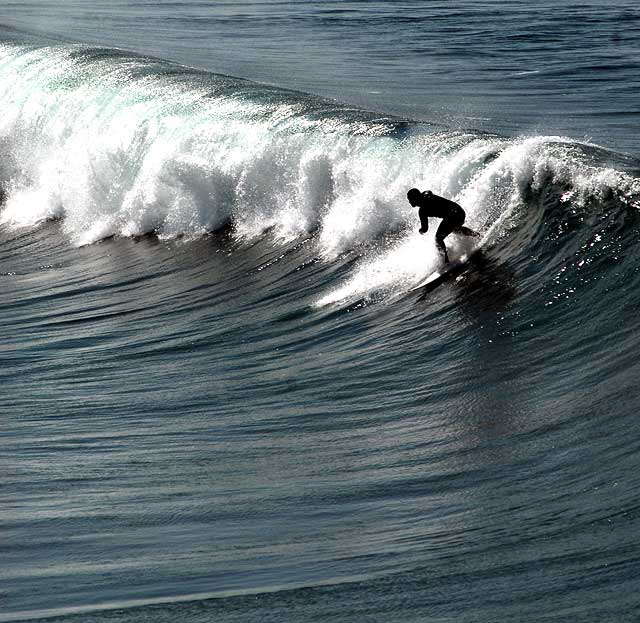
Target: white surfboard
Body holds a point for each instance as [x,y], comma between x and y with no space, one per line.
[434,278]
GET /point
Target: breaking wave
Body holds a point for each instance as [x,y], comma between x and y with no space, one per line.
[113,144]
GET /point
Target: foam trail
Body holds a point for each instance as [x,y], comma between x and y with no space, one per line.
[387,272]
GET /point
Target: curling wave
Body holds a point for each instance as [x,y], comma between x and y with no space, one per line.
[113,144]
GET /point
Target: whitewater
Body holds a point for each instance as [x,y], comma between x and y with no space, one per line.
[221,398]
[117,145]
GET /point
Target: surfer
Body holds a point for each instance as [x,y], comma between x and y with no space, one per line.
[450,212]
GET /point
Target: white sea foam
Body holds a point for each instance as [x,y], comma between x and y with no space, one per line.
[112,148]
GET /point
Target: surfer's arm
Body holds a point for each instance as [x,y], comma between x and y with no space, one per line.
[424,222]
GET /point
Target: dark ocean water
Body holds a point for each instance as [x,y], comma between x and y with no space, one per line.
[220,399]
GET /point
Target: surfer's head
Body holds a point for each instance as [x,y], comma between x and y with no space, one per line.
[414,196]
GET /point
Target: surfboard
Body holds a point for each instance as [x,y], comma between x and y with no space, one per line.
[447,271]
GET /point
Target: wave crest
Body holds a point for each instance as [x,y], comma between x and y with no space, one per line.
[114,144]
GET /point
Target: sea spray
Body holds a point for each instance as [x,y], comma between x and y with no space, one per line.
[114,144]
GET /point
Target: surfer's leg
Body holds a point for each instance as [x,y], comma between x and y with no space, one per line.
[457,225]
[442,248]
[444,229]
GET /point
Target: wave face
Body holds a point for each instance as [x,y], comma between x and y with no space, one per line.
[221,388]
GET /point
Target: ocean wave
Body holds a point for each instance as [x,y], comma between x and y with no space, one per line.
[118,145]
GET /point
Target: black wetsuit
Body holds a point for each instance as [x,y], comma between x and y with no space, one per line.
[450,212]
